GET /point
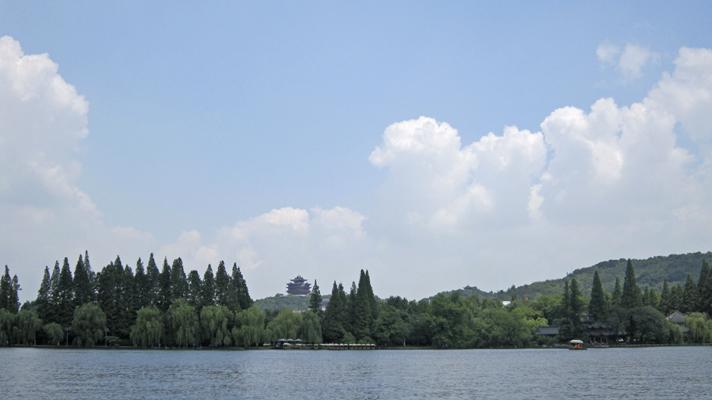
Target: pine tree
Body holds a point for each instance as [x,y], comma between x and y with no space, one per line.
[43,297]
[208,295]
[129,303]
[565,329]
[362,310]
[372,302]
[195,293]
[676,297]
[109,295]
[332,328]
[664,305]
[575,308]
[54,294]
[65,296]
[154,284]
[689,296]
[631,297]
[350,308]
[617,294]
[704,289]
[165,298]
[179,283]
[234,289]
[14,301]
[82,285]
[5,289]
[315,299]
[243,294]
[91,274]
[597,307]
[142,285]
[222,285]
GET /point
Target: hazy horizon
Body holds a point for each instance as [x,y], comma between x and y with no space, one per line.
[437,147]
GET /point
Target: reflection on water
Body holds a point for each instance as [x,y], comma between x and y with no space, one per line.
[647,373]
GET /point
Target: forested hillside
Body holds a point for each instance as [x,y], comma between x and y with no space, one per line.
[651,272]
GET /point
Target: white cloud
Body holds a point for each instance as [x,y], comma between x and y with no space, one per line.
[274,246]
[45,215]
[629,61]
[510,207]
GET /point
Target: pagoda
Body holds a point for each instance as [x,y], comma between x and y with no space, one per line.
[298,286]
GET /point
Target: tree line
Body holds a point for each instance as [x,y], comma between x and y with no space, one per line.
[152,307]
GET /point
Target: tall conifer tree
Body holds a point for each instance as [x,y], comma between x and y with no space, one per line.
[165,297]
[315,299]
[154,281]
[222,285]
[82,285]
[617,294]
[179,282]
[208,296]
[65,296]
[597,306]
[631,296]
[43,297]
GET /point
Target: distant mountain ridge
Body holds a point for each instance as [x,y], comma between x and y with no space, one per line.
[650,272]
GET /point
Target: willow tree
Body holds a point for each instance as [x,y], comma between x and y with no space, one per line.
[89,324]
[148,329]
[310,329]
[215,324]
[250,327]
[183,323]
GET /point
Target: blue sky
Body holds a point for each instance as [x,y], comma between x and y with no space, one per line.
[204,115]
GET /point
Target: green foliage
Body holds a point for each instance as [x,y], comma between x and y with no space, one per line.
[43,297]
[53,332]
[249,330]
[689,296]
[183,323]
[27,324]
[89,324]
[700,327]
[195,289]
[7,321]
[704,289]
[215,323]
[597,306]
[9,287]
[82,285]
[165,292]
[315,299]
[336,316]
[208,292]
[310,328]
[148,329]
[153,286]
[179,283]
[631,297]
[284,326]
[222,285]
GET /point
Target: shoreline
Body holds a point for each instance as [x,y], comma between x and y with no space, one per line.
[408,348]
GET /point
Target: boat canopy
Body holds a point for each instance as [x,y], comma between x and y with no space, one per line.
[576,341]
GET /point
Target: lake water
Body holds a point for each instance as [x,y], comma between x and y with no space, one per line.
[642,373]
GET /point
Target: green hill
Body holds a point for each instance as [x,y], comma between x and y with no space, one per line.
[650,272]
[281,301]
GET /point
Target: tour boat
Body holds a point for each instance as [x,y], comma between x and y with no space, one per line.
[576,344]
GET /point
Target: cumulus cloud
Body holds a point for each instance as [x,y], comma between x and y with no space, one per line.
[513,206]
[45,214]
[629,60]
[593,184]
[271,247]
